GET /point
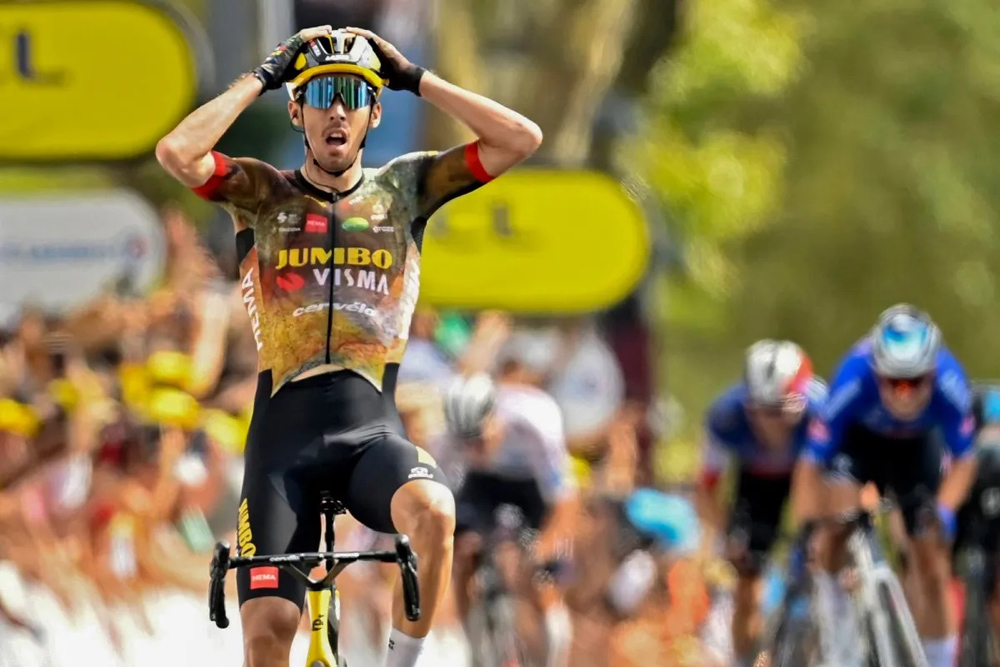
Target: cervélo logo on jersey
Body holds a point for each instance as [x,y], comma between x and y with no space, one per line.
[354,267]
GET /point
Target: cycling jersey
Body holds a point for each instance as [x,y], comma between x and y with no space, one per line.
[530,468]
[729,435]
[855,402]
[332,278]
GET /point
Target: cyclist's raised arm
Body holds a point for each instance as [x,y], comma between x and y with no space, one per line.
[504,137]
[186,152]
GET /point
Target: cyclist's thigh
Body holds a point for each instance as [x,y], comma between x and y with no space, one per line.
[915,476]
[278,513]
[760,501]
[861,459]
[385,464]
[476,503]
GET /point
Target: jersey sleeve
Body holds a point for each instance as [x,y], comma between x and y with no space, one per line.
[717,442]
[239,185]
[439,177]
[551,460]
[957,422]
[828,425]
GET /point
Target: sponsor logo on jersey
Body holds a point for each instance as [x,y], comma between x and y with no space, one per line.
[354,224]
[250,301]
[380,230]
[372,281]
[290,282]
[244,536]
[264,577]
[356,307]
[289,222]
[420,472]
[316,224]
[351,256]
[818,430]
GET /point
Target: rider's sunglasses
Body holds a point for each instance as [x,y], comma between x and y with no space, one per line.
[355,93]
[906,385]
[791,405]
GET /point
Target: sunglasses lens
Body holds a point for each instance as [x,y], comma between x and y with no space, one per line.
[322,91]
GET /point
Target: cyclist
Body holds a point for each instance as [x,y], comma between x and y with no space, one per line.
[896,395]
[329,257]
[979,517]
[760,424]
[510,440]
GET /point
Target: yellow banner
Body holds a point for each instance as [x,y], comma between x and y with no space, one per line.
[536,241]
[92,80]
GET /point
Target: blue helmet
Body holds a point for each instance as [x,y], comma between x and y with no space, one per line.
[905,343]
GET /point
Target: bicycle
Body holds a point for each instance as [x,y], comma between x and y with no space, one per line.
[492,628]
[978,646]
[889,638]
[322,594]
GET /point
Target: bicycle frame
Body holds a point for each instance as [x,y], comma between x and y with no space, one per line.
[881,601]
[322,594]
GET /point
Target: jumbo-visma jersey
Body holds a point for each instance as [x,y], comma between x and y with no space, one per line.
[332,278]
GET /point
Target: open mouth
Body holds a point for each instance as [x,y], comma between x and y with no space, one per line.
[336,139]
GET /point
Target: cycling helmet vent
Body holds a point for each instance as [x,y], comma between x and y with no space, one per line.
[905,343]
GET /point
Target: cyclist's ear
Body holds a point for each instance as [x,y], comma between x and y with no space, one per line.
[295,113]
[376,117]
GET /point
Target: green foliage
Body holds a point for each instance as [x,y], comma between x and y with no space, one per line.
[853,149]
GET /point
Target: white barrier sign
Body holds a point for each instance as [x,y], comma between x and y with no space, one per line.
[61,252]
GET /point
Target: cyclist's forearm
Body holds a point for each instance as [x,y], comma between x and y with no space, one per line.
[186,151]
[505,136]
[957,483]
[807,491]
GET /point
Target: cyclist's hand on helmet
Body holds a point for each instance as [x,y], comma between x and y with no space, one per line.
[273,72]
[400,72]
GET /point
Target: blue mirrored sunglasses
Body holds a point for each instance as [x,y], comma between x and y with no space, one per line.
[323,90]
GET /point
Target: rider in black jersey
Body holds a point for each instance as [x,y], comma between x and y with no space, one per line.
[330,265]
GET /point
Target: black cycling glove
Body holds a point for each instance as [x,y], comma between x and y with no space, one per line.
[273,71]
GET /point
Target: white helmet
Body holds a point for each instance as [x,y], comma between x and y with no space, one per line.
[905,343]
[776,371]
[467,403]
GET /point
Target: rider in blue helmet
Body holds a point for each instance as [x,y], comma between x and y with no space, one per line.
[900,416]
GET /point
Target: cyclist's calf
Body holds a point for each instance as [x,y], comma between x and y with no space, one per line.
[425,511]
[269,626]
[934,612]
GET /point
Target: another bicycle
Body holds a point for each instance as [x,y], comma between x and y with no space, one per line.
[492,627]
[323,596]
[799,634]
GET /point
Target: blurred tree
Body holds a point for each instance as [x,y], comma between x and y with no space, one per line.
[820,162]
[554,60]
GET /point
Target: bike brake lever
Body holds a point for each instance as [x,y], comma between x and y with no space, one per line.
[217,586]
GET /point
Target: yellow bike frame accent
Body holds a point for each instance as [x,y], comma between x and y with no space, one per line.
[320,653]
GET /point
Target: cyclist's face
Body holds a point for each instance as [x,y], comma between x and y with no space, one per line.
[335,134]
[905,399]
[775,425]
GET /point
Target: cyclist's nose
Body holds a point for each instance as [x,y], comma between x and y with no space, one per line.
[337,109]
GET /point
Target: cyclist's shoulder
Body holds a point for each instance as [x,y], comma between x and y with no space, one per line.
[817,392]
[726,413]
[951,383]
[533,404]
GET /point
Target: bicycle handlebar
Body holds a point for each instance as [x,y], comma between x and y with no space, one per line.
[222,562]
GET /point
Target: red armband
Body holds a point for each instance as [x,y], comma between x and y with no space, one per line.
[208,188]
[474,164]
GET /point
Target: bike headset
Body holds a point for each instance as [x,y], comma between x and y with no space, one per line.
[341,52]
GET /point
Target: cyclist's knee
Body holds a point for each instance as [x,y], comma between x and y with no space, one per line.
[269,626]
[931,560]
[424,511]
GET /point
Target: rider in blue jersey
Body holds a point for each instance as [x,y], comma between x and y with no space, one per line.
[760,426]
[900,416]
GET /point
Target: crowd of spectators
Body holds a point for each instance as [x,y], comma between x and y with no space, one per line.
[121,434]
